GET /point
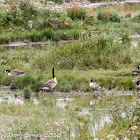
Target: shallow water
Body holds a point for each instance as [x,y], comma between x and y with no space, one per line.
[134,7]
[96,110]
[125,7]
[8,96]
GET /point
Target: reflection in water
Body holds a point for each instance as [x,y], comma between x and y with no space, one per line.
[35,101]
[63,102]
[97,121]
[0,99]
[134,44]
[85,109]
[105,118]
[8,96]
[94,101]
[10,100]
[20,101]
[67,99]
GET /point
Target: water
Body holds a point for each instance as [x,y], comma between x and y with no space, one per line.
[8,97]
[133,7]
[96,112]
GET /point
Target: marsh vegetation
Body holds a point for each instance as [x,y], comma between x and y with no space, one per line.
[23,21]
[102,47]
[79,117]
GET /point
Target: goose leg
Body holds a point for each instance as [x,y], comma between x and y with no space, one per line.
[13,80]
[51,91]
[95,92]
[13,87]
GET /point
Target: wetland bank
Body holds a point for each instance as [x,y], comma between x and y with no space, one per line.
[105,45]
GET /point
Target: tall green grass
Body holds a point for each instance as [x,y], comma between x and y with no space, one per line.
[103,53]
[109,62]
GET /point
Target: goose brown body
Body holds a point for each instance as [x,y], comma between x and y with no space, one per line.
[136,71]
[15,73]
[94,85]
[50,84]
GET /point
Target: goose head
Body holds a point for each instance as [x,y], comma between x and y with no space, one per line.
[138,83]
[139,66]
[91,79]
[6,71]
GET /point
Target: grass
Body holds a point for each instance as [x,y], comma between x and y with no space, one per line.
[49,117]
[25,22]
[103,50]
[123,127]
[109,62]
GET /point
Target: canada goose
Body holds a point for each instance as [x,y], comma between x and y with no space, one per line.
[51,83]
[94,85]
[136,71]
[138,85]
[14,73]
[136,79]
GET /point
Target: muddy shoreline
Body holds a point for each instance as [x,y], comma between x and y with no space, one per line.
[22,43]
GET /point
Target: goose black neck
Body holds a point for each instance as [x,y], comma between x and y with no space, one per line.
[53,72]
[138,66]
[138,82]
[91,80]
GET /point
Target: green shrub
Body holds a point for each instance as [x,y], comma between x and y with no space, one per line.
[69,35]
[5,80]
[125,83]
[28,11]
[48,33]
[4,39]
[76,12]
[100,53]
[36,86]
[107,15]
[34,35]
[101,15]
[89,20]
[27,92]
[138,18]
[24,81]
[125,37]
[53,23]
[114,16]
[13,86]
